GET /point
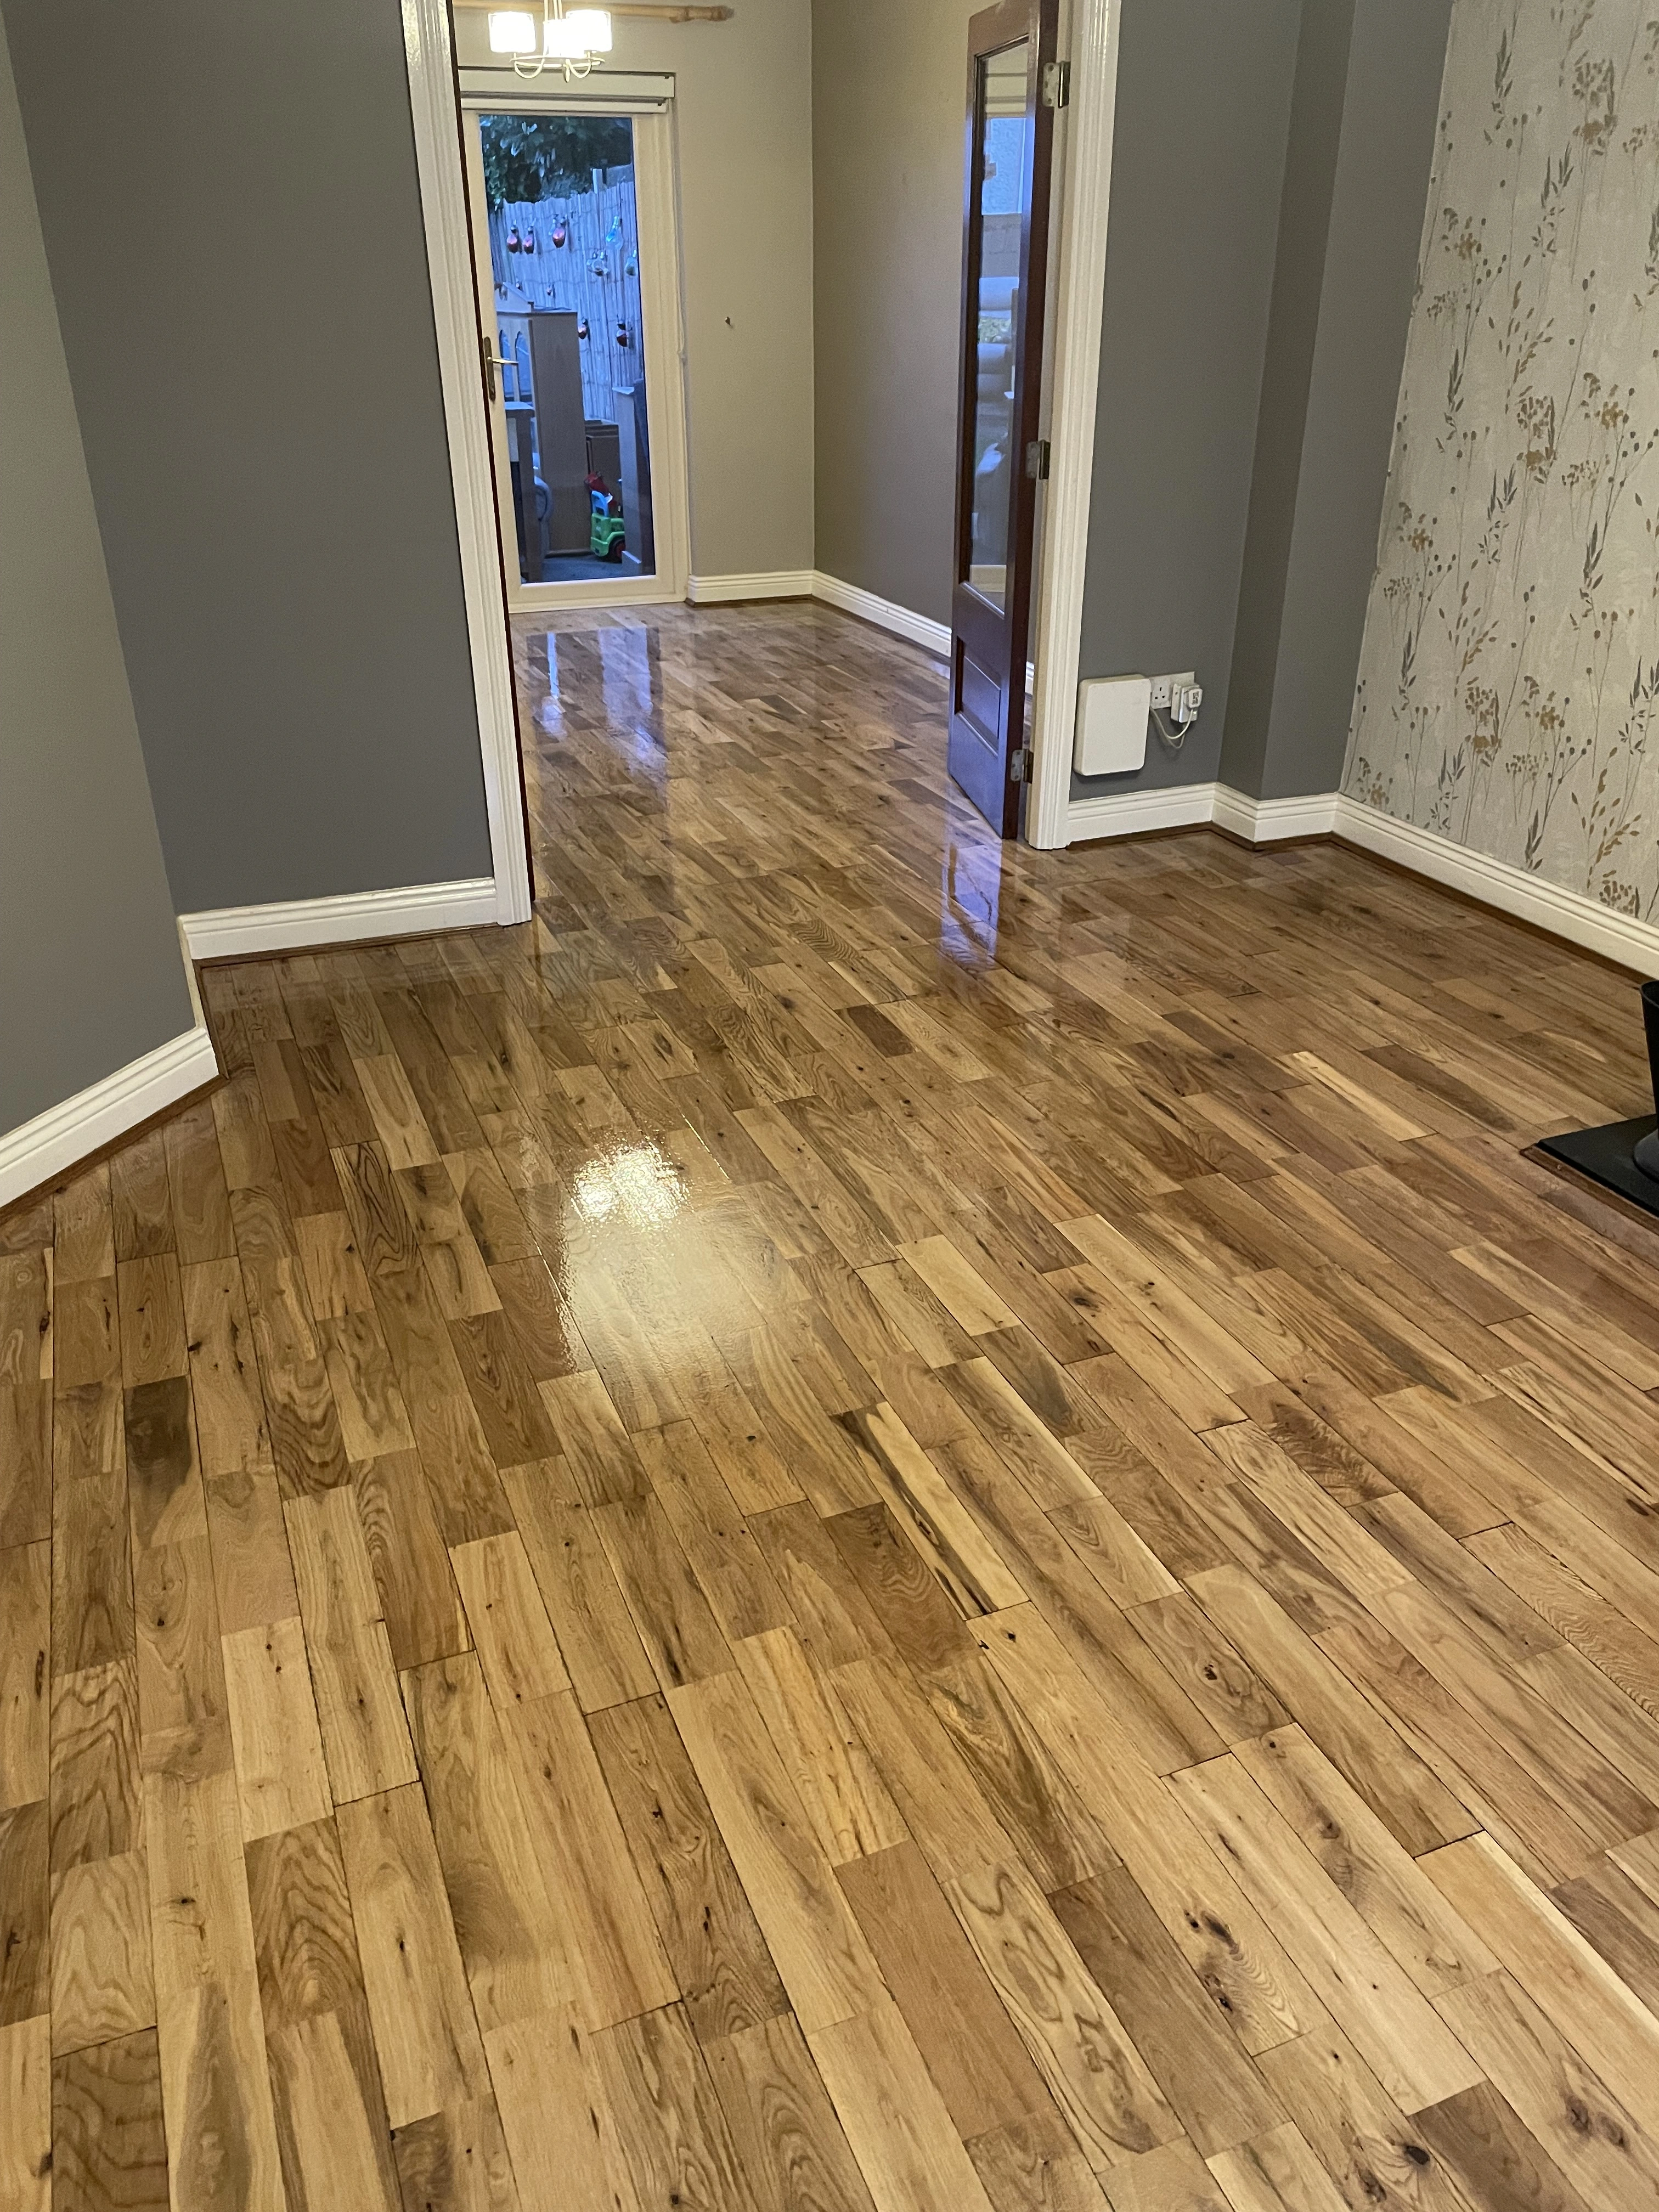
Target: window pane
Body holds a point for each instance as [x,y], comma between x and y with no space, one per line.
[995,282]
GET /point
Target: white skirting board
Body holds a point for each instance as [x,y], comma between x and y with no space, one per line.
[932,636]
[1191,805]
[55,1141]
[1580,920]
[1132,813]
[767,584]
[1562,913]
[232,932]
[812,584]
[1264,821]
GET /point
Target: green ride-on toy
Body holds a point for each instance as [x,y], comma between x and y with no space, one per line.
[606,530]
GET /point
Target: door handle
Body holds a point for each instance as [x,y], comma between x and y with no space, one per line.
[492,361]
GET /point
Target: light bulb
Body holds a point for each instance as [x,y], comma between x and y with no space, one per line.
[512,32]
[562,40]
[594,26]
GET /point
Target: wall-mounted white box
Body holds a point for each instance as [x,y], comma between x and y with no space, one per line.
[1112,713]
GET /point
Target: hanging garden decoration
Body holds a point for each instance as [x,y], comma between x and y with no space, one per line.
[598,266]
[560,232]
[624,336]
[631,266]
[613,236]
[529,246]
[581,328]
[512,244]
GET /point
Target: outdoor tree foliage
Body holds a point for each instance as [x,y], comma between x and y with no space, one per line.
[540,157]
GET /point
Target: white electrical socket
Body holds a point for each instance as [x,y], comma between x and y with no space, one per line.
[1164,688]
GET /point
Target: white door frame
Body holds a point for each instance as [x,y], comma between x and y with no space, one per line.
[1080,298]
[431,64]
[661,351]
[1080,294]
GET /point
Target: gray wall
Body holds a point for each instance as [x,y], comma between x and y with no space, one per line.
[1190,256]
[1304,213]
[1239,475]
[1293,739]
[263,431]
[91,976]
[888,91]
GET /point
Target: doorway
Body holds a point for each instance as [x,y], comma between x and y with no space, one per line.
[576,257]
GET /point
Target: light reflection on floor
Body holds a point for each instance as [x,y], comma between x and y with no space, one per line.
[628,704]
[636,1183]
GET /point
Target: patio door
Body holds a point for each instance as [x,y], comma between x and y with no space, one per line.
[1001,461]
[576,261]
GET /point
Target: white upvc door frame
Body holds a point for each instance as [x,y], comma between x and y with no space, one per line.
[428,54]
[662,349]
[1080,293]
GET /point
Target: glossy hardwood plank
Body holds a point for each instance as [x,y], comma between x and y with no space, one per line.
[425,2034]
[895,2120]
[509,1935]
[783,2127]
[1363,1985]
[108,2135]
[216,2089]
[825,1963]
[716,1953]
[101,1983]
[25,1673]
[982,2070]
[364,1734]
[330,2115]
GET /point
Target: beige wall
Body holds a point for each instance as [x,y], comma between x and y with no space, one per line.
[744,130]
[889,84]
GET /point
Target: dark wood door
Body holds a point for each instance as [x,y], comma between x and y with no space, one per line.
[1010,137]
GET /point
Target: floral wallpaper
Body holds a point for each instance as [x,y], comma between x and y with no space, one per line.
[1509,681]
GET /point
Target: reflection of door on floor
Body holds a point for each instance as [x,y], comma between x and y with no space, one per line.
[556,225]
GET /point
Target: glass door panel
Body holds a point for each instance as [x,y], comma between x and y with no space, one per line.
[994,282]
[567,351]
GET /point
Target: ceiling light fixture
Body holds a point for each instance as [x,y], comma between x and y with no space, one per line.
[575,38]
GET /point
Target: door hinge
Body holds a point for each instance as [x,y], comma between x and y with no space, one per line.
[1036,460]
[1019,765]
[1056,84]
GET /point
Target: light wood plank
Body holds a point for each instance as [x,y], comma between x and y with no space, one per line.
[826,1965]
[1367,1991]
[274,1732]
[911,2157]
[364,1734]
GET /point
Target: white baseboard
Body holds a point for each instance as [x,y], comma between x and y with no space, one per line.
[1563,914]
[853,599]
[1566,913]
[766,584]
[232,932]
[53,1141]
[1132,813]
[1264,821]
[932,636]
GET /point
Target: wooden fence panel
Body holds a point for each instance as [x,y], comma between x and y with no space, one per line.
[596,271]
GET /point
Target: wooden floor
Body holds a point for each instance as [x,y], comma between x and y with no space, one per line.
[873,1519]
